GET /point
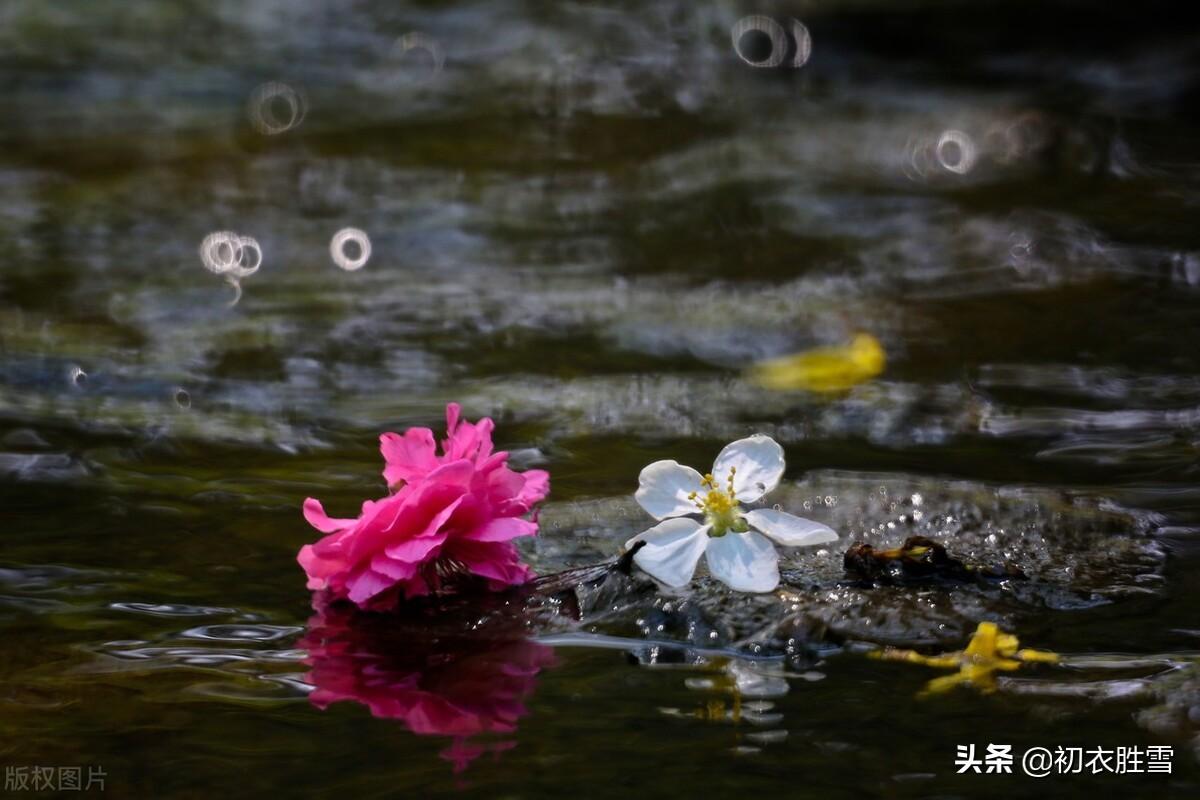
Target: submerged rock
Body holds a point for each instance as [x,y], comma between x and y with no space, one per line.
[919,561]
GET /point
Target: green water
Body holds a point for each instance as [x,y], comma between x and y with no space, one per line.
[585,223]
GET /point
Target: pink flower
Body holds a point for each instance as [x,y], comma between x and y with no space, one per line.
[450,515]
[435,682]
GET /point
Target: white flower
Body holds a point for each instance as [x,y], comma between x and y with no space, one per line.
[745,559]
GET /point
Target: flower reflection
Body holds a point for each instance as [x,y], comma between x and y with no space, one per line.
[741,691]
[438,683]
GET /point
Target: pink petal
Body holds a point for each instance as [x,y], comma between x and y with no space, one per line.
[502,529]
[307,560]
[366,584]
[408,457]
[484,429]
[316,567]
[498,561]
[491,462]
[453,410]
[457,473]
[413,551]
[314,512]
[425,541]
[392,568]
[535,489]
[464,440]
[405,515]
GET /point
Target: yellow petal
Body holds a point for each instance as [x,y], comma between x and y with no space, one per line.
[823,369]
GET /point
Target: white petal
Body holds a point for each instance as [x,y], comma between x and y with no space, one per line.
[788,529]
[672,550]
[759,463]
[745,561]
[663,489]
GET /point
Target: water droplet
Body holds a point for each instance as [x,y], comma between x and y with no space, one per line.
[183,399]
[77,376]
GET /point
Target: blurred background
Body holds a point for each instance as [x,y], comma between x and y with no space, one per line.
[588,221]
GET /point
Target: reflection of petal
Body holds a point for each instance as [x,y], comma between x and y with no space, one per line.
[664,487]
[462,752]
[745,561]
[751,682]
[759,463]
[434,683]
[788,529]
[672,550]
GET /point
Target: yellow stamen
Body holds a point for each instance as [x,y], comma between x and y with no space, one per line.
[719,505]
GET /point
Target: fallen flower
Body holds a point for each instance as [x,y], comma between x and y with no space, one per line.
[990,650]
[451,515]
[744,559]
[823,369]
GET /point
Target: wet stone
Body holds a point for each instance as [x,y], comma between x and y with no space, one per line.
[1053,552]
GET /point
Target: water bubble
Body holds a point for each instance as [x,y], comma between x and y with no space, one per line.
[1185,268]
[249,258]
[275,108]
[237,292]
[220,251]
[77,376]
[956,152]
[803,40]
[183,399]
[765,25]
[232,256]
[415,40]
[344,246]
[1021,248]
[226,253]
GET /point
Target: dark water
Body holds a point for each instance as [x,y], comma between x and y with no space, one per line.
[585,221]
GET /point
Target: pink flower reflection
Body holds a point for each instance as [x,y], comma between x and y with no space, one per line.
[436,682]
